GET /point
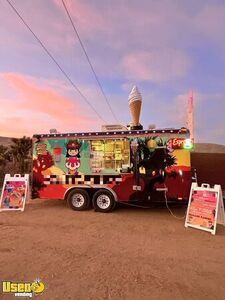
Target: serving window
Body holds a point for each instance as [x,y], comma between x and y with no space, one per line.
[109,154]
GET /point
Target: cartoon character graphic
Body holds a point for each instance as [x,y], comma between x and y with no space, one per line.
[43,162]
[72,157]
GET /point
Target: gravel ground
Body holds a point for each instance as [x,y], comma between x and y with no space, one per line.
[128,254]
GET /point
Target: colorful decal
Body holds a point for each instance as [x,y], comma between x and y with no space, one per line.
[43,161]
[82,179]
[146,162]
[73,157]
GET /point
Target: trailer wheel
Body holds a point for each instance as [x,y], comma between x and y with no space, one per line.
[78,199]
[103,201]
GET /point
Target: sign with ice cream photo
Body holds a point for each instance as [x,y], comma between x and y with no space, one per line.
[14,192]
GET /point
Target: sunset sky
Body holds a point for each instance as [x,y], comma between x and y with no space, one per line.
[165,47]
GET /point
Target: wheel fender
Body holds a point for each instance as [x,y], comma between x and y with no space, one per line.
[107,189]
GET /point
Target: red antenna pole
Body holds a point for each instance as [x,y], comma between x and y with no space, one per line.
[190,115]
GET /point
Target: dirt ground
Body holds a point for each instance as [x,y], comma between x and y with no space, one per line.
[128,254]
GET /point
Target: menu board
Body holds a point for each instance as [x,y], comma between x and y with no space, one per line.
[205,208]
[14,192]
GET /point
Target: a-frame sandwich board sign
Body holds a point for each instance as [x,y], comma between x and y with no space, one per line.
[205,208]
[15,192]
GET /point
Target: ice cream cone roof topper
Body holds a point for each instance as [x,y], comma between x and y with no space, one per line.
[135,101]
[135,95]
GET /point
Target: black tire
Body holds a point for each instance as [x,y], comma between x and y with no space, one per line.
[103,201]
[78,199]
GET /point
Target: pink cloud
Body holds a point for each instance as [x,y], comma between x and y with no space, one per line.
[37,109]
[39,99]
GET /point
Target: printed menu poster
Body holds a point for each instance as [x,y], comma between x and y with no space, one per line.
[14,193]
[202,209]
[205,208]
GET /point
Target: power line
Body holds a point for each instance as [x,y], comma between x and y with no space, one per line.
[55,61]
[88,59]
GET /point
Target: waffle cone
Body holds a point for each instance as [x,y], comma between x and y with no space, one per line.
[135,108]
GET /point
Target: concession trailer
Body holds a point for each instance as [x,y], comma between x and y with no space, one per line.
[100,169]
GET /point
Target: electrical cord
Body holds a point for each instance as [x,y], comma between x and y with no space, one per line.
[166,201]
[134,205]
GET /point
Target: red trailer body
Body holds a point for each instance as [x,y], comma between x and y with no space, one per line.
[109,167]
